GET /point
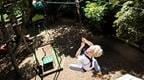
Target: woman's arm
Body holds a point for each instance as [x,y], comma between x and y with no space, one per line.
[80,49]
[87,41]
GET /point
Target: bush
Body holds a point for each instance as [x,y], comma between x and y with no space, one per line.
[95,11]
[129,23]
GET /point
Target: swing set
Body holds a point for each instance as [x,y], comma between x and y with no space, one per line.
[42,5]
[46,57]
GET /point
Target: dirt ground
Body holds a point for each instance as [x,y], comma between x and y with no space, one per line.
[118,59]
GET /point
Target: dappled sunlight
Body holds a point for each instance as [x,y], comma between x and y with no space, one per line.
[66,38]
[40,39]
[28,60]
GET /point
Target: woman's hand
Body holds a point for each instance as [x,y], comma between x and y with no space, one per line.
[83,39]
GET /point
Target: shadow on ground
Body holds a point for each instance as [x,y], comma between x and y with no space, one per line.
[117,55]
[121,56]
[69,40]
[7,71]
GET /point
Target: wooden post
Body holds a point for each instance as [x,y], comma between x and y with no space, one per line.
[12,53]
[3,29]
[78,10]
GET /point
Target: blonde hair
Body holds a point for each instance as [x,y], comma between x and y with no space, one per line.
[96,50]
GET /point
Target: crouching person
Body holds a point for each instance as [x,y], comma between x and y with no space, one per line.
[87,58]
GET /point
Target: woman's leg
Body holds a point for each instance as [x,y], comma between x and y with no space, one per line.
[76,67]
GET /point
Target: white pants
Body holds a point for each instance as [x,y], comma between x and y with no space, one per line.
[79,67]
[76,67]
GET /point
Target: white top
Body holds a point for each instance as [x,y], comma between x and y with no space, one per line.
[86,64]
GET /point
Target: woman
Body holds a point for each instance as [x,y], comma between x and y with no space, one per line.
[87,60]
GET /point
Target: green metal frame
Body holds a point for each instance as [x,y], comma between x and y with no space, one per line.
[58,59]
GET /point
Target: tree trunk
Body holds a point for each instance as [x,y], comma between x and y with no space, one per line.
[12,53]
[3,30]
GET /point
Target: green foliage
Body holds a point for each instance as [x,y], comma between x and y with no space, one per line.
[5,16]
[129,22]
[17,11]
[117,2]
[95,11]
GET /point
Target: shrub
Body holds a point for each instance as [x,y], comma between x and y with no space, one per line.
[95,11]
[129,23]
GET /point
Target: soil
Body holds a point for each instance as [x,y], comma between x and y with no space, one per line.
[118,59]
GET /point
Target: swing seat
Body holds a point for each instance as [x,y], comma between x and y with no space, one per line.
[47,57]
[48,63]
[37,17]
[38,20]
